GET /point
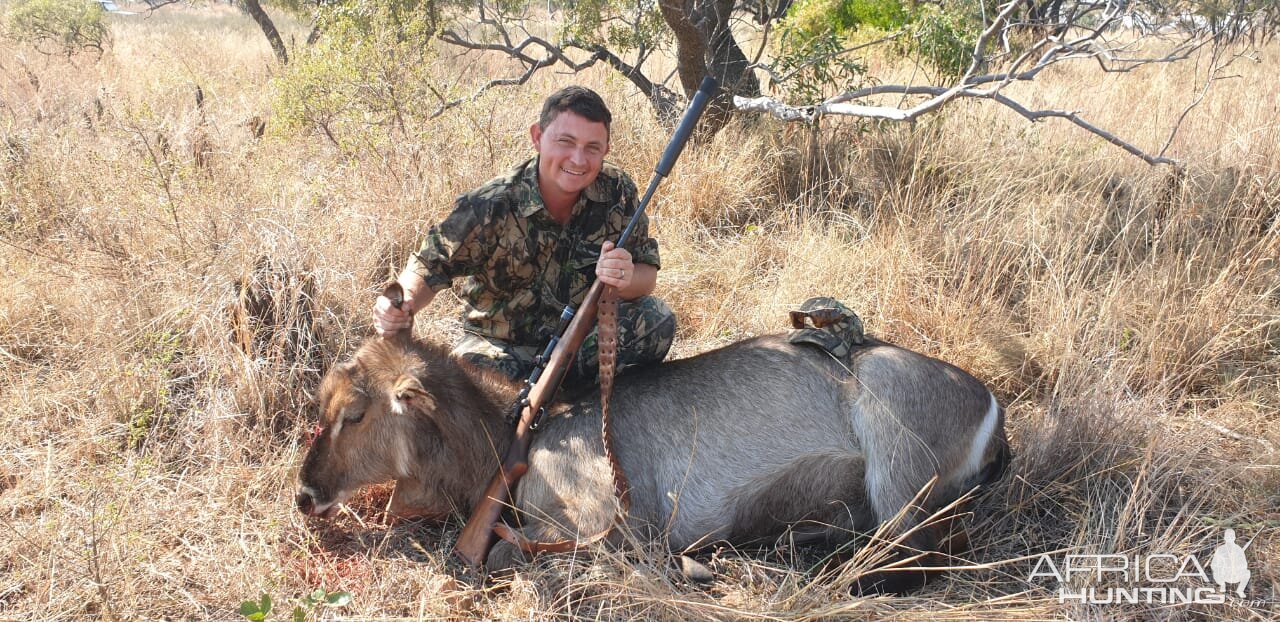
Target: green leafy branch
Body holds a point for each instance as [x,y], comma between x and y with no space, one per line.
[257,611]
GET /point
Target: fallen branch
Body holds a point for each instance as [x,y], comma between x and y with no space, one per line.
[1229,433]
[942,96]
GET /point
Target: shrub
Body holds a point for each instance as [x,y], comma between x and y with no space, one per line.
[815,31]
[367,81]
[811,37]
[58,26]
[944,40]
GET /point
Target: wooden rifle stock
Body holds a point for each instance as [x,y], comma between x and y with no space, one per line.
[477,535]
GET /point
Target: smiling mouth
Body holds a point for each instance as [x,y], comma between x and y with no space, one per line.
[569,172]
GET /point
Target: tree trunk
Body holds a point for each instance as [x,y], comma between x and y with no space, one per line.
[705,43]
[726,60]
[254,9]
[690,45]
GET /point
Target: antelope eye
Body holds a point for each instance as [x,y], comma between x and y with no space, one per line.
[353,417]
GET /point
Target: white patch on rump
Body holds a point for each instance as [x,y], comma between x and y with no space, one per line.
[982,438]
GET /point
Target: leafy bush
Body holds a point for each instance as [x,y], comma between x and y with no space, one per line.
[944,40]
[814,32]
[622,26]
[809,42]
[58,26]
[366,81]
[844,17]
[811,65]
[883,15]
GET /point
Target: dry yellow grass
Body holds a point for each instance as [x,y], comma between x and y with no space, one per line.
[1127,316]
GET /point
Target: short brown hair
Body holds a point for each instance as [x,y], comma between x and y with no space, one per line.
[579,100]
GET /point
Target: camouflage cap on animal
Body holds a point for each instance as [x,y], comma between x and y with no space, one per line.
[827,323]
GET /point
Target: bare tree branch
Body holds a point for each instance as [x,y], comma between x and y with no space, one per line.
[532,66]
[152,5]
[812,113]
[1093,129]
[536,53]
[1065,41]
[1214,74]
[666,101]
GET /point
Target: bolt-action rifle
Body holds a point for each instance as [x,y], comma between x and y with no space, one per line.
[477,535]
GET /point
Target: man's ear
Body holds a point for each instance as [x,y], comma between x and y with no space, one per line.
[410,393]
[535,133]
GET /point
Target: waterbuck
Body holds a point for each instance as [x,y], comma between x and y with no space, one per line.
[738,444]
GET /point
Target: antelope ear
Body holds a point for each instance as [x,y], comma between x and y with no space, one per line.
[352,369]
[410,392]
[349,368]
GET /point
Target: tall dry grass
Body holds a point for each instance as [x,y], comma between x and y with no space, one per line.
[173,286]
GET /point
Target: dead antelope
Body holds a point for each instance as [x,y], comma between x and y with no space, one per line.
[738,444]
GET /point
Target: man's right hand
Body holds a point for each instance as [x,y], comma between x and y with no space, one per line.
[388,320]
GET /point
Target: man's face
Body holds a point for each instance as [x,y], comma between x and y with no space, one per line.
[572,150]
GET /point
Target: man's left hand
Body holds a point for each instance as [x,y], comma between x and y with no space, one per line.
[615,267]
[632,280]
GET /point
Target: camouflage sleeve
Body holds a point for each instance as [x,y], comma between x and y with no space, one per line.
[452,248]
[644,249]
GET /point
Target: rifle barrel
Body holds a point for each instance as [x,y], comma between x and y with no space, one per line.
[673,150]
[685,129]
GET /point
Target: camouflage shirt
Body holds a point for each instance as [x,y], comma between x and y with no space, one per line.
[520,266]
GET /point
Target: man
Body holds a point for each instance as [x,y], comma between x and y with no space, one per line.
[528,243]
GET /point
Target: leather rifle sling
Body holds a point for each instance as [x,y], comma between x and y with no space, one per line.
[607,350]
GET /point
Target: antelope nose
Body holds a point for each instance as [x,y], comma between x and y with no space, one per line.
[306,504]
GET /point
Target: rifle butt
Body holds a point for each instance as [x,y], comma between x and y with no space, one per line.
[474,542]
[477,536]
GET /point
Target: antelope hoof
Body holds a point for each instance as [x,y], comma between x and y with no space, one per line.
[695,570]
[504,558]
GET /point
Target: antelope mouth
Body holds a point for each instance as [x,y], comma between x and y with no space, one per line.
[326,512]
[306,502]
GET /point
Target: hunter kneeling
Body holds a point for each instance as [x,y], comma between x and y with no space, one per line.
[530,242]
